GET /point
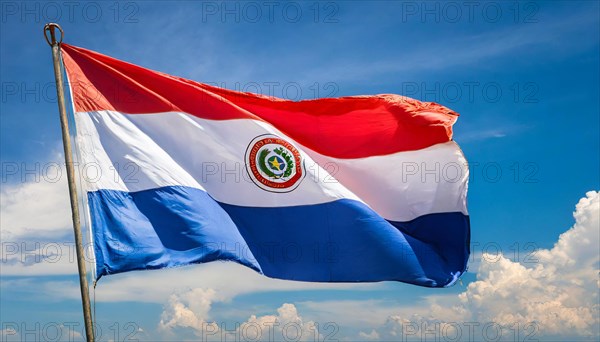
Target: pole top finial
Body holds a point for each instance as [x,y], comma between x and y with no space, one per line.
[51,27]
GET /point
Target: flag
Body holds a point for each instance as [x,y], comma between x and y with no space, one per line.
[350,189]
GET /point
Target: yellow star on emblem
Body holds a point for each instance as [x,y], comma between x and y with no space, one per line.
[275,164]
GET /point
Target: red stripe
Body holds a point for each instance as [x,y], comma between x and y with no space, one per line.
[346,127]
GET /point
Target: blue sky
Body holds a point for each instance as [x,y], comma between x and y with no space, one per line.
[524,77]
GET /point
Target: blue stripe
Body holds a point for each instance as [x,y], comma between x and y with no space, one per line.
[339,241]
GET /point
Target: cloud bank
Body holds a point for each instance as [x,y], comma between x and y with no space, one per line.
[557,296]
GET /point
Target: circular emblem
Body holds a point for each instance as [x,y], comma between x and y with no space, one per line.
[274,164]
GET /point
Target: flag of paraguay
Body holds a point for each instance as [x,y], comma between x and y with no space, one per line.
[351,189]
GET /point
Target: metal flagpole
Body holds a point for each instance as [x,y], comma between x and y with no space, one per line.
[64,124]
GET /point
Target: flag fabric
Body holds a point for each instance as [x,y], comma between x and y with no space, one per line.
[360,188]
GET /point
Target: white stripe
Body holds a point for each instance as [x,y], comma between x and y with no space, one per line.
[405,185]
[119,156]
[147,151]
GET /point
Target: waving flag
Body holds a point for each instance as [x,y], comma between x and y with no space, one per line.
[364,188]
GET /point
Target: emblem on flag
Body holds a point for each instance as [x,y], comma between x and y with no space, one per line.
[274,164]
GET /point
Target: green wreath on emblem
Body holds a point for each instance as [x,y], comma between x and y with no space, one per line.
[262,157]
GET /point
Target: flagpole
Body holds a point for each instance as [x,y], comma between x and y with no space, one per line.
[64,124]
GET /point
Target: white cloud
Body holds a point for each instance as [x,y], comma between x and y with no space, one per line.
[10,331]
[157,286]
[35,220]
[38,207]
[560,293]
[188,310]
[188,313]
[373,335]
[356,313]
[229,278]
[558,296]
